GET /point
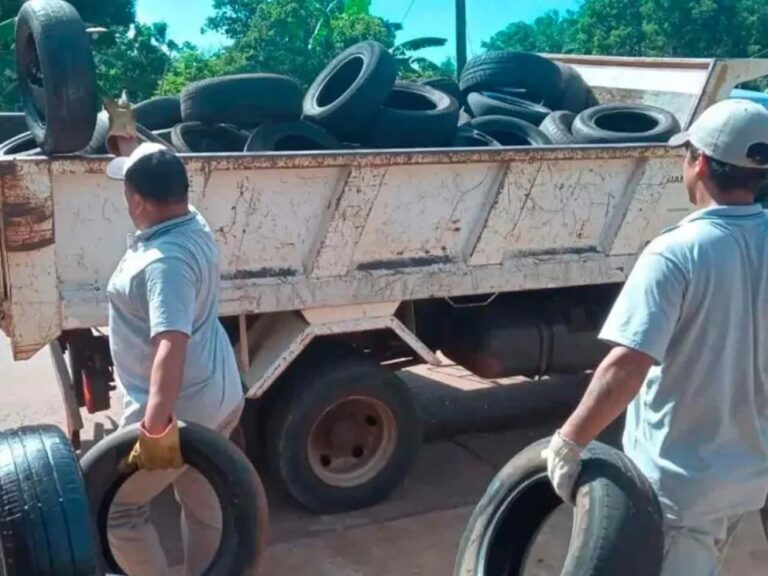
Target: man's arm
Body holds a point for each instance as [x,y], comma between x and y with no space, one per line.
[615,384]
[165,380]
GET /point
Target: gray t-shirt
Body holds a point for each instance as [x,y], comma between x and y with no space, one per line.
[168,280]
[697,302]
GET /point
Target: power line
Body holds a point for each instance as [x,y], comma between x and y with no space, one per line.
[408,11]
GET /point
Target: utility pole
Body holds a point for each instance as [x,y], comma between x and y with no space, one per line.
[461,35]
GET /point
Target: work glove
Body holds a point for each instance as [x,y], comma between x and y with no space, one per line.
[161,452]
[122,122]
[563,465]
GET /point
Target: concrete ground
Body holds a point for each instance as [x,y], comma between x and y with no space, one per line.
[416,532]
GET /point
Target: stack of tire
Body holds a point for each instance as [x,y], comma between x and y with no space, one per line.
[520,98]
[508,98]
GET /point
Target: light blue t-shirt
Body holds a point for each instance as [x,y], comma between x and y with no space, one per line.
[697,302]
[168,280]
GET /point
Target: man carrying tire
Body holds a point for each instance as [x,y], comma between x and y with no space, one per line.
[689,363]
[172,356]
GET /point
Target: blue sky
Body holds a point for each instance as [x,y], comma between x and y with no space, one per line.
[425,18]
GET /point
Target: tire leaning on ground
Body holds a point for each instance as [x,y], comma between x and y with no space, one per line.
[342,431]
[510,131]
[558,127]
[496,104]
[245,517]
[57,75]
[414,116]
[351,89]
[625,123]
[44,518]
[617,525]
[538,76]
[296,136]
[244,100]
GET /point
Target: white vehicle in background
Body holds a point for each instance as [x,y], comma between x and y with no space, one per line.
[341,267]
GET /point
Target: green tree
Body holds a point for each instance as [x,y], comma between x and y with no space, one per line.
[550,33]
[189,64]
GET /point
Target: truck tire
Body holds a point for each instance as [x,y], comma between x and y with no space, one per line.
[625,123]
[577,95]
[448,86]
[617,525]
[44,518]
[57,75]
[22,145]
[510,131]
[558,127]
[245,516]
[414,116]
[351,89]
[467,137]
[11,125]
[244,100]
[496,104]
[342,432]
[538,76]
[296,136]
[199,138]
[160,113]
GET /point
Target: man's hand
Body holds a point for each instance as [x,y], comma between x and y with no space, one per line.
[156,451]
[122,138]
[563,466]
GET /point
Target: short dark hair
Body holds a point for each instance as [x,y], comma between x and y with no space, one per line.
[160,177]
[729,177]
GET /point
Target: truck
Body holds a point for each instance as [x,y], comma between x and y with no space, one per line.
[341,268]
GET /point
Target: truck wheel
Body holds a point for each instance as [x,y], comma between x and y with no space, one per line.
[160,113]
[296,136]
[496,104]
[351,89]
[510,131]
[44,518]
[57,75]
[414,116]
[625,123]
[558,127]
[617,527]
[341,433]
[243,502]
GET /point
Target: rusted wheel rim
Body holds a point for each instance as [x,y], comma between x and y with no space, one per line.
[352,441]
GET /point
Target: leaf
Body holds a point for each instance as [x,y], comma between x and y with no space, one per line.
[7,31]
[421,43]
[354,7]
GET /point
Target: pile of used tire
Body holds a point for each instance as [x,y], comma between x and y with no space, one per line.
[502,99]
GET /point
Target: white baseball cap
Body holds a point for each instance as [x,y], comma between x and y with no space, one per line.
[733,131]
[118,167]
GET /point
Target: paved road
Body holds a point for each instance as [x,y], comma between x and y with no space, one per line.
[415,533]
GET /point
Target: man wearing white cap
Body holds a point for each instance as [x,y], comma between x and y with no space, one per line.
[689,362]
[172,356]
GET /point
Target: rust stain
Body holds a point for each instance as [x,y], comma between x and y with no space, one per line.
[27,221]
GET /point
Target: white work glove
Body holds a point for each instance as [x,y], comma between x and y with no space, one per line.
[563,465]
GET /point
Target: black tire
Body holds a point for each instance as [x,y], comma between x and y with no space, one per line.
[467,137]
[625,123]
[414,116]
[558,127]
[538,76]
[57,75]
[319,382]
[44,517]
[448,86]
[577,95]
[244,100]
[98,142]
[199,138]
[22,145]
[243,502]
[510,131]
[165,135]
[351,90]
[11,125]
[161,113]
[495,104]
[617,526]
[294,136]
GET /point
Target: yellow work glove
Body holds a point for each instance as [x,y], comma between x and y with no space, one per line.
[161,452]
[122,122]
